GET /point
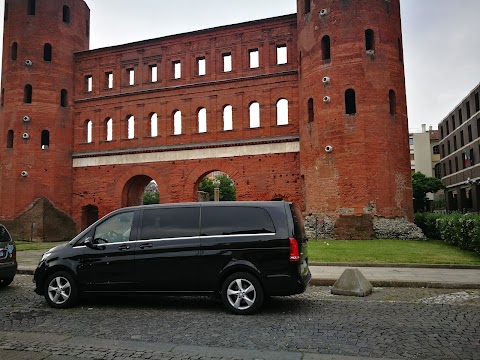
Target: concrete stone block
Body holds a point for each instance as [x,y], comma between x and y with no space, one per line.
[352,283]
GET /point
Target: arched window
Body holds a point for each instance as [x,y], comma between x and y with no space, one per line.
[393,102]
[282,112]
[31,7]
[88,131]
[350,102]
[228,118]
[109,129]
[14,51]
[66,14]
[63,98]
[45,139]
[47,52]
[130,127]
[202,120]
[369,40]
[177,122]
[27,94]
[311,114]
[326,56]
[10,139]
[254,112]
[154,125]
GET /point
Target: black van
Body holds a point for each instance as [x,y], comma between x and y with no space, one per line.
[8,257]
[243,251]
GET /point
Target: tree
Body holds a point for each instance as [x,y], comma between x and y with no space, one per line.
[151,197]
[227,187]
[421,186]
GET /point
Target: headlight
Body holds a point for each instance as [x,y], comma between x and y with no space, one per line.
[45,256]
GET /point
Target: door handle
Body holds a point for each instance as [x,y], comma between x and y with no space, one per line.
[123,247]
[146,246]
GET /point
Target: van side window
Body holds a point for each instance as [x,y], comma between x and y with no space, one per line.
[115,229]
[170,223]
[235,220]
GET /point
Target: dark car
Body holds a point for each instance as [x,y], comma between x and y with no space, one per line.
[242,251]
[8,257]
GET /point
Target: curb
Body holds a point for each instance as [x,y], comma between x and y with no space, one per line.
[404,284]
[397,265]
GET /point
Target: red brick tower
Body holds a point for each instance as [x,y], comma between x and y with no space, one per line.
[353,116]
[40,38]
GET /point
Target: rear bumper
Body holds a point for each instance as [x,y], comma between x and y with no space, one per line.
[8,270]
[287,284]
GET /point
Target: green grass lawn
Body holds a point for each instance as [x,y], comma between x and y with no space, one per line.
[27,245]
[389,251]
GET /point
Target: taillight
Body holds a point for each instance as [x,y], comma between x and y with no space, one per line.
[294,253]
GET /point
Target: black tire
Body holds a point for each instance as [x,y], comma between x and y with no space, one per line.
[5,282]
[60,290]
[242,293]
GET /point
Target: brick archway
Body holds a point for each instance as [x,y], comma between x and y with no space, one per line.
[130,187]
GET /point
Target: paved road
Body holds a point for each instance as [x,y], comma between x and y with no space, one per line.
[391,323]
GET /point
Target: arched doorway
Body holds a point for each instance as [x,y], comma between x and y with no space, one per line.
[215,186]
[134,190]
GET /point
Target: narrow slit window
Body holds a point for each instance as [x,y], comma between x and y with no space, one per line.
[202,120]
[154,125]
[45,139]
[393,102]
[462,139]
[64,98]
[31,7]
[228,118]
[311,114]
[153,73]
[282,112]
[453,122]
[14,51]
[88,83]
[87,27]
[369,40]
[227,62]
[254,58]
[350,102]
[66,14]
[177,70]
[2,100]
[201,66]
[282,54]
[460,116]
[88,131]
[470,133]
[326,55]
[5,15]
[27,94]
[177,122]
[254,112]
[467,105]
[47,52]
[131,76]
[130,127]
[400,50]
[477,103]
[307,7]
[109,129]
[109,80]
[10,139]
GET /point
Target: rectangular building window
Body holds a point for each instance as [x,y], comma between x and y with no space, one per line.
[462,139]
[201,66]
[456,164]
[281,54]
[468,110]
[448,147]
[436,150]
[109,80]
[254,58]
[453,122]
[460,116]
[227,62]
[448,128]
[450,166]
[177,69]
[455,143]
[88,83]
[477,103]
[153,73]
[131,76]
[470,133]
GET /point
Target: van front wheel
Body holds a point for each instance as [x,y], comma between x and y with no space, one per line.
[242,293]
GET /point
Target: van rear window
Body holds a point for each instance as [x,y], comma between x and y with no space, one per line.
[235,220]
[170,223]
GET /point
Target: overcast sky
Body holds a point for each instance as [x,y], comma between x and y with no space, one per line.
[441,39]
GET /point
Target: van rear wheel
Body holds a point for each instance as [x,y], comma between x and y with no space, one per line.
[242,293]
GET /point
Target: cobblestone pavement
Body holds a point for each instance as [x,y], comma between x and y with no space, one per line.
[392,323]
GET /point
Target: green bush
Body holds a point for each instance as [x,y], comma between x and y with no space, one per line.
[428,223]
[460,230]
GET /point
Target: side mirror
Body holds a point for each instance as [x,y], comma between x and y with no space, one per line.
[89,243]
